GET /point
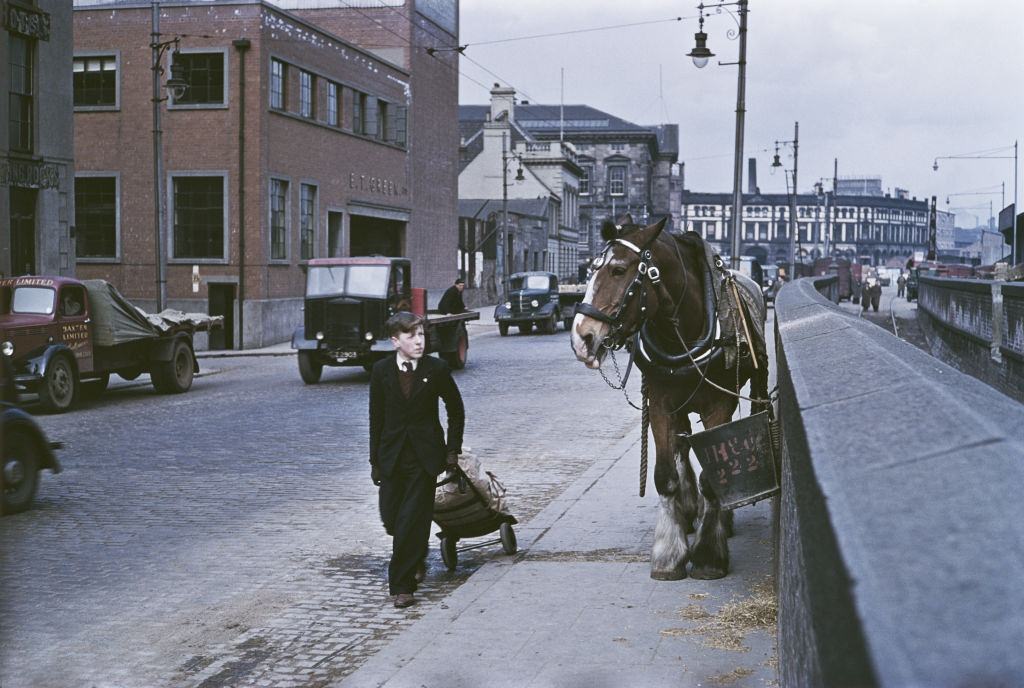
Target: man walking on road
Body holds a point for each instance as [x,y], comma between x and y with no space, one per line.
[901,284]
[451,301]
[407,447]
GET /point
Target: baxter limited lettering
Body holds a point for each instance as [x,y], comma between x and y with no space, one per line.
[377,185]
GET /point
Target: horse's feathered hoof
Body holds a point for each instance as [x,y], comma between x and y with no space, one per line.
[670,575]
[707,573]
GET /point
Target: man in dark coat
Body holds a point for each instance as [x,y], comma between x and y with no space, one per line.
[451,301]
[408,449]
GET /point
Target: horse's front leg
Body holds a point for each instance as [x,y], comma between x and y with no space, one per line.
[710,554]
[671,549]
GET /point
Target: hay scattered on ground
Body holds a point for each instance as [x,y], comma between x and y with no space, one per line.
[727,629]
[698,595]
[730,677]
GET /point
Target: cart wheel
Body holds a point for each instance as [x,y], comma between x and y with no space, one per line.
[508,538]
[449,555]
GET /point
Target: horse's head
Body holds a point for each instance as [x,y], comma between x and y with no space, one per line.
[619,296]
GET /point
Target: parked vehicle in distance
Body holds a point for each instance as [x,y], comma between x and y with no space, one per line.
[535,299]
[24,451]
[349,300]
[771,283]
[62,334]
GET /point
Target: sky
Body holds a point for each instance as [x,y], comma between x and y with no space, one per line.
[884,86]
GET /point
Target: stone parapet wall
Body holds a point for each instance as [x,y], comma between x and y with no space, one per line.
[899,511]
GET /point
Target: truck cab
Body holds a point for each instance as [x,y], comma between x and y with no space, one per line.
[533,300]
[347,305]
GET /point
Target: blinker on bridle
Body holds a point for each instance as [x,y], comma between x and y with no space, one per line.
[617,338]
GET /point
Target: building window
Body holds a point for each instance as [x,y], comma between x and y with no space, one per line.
[198,217]
[278,219]
[588,172]
[96,217]
[205,75]
[94,81]
[20,102]
[306,100]
[617,180]
[618,146]
[383,125]
[359,112]
[332,104]
[277,72]
[370,108]
[307,220]
[401,124]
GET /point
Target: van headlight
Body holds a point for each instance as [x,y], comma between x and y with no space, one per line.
[508,304]
[368,336]
[319,336]
[7,348]
[535,303]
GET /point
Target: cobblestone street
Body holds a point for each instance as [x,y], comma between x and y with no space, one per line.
[229,536]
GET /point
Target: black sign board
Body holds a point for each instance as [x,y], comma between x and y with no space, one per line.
[738,460]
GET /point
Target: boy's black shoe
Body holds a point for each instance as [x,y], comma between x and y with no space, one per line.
[404,599]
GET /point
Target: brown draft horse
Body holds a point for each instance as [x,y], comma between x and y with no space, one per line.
[653,292]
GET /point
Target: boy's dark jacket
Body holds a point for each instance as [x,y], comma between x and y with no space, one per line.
[394,419]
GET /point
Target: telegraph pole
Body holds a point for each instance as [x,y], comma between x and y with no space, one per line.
[793,226]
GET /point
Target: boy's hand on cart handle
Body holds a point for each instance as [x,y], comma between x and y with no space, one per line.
[375,475]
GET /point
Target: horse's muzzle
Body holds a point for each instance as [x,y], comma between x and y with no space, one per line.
[586,337]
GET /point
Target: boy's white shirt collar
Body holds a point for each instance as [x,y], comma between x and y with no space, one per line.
[400,359]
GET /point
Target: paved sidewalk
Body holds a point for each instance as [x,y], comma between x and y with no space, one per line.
[577,607]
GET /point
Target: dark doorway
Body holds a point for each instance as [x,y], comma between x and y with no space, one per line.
[334,247]
[222,302]
[372,236]
[23,231]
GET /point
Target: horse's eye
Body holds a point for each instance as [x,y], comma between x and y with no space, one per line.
[618,271]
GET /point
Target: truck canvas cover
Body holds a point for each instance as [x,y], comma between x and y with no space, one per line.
[114,319]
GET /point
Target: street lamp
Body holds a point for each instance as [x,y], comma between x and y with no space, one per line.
[700,55]
[792,199]
[500,253]
[176,87]
[1016,254]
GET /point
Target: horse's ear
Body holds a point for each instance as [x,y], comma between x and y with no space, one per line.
[626,220]
[608,230]
[649,234]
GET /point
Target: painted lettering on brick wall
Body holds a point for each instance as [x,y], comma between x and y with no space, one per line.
[377,185]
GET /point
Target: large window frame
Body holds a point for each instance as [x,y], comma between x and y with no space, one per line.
[81,227]
[615,183]
[308,225]
[278,218]
[102,59]
[278,90]
[307,94]
[586,178]
[333,104]
[172,223]
[187,53]
[21,94]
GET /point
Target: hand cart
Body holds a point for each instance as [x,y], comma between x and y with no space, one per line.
[470,518]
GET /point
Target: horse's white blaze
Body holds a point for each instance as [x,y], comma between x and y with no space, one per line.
[582,325]
[670,544]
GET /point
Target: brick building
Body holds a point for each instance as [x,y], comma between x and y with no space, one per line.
[36,146]
[344,150]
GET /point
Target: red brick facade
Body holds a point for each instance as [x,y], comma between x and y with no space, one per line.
[370,195]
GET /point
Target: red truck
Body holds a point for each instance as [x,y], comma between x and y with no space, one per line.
[62,333]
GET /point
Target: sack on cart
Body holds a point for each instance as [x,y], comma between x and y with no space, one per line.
[459,501]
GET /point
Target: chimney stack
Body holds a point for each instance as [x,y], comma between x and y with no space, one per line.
[752,176]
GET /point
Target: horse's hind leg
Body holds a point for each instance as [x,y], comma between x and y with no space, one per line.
[671,549]
[710,555]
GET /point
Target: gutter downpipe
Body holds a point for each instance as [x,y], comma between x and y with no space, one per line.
[242,46]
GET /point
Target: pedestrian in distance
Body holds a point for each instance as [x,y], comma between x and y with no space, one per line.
[901,285]
[451,301]
[408,449]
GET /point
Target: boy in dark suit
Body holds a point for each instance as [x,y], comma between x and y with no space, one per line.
[407,446]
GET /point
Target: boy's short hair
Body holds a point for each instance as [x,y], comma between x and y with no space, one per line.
[403,321]
[459,280]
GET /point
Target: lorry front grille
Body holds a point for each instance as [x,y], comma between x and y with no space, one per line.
[344,324]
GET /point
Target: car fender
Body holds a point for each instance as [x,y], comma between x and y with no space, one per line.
[38,364]
[500,311]
[545,310]
[14,418]
[300,342]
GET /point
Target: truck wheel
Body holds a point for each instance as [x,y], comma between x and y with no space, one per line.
[550,325]
[174,376]
[503,329]
[60,385]
[309,369]
[567,324]
[20,477]
[456,360]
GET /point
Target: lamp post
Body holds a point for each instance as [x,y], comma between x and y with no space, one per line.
[700,55]
[1016,254]
[793,226]
[500,254]
[176,85]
